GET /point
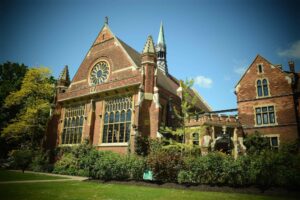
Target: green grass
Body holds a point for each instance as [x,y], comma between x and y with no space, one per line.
[76,190]
[19,176]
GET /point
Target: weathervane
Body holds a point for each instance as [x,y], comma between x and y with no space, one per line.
[106,20]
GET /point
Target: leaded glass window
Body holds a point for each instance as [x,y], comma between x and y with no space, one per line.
[265,115]
[259,88]
[73,125]
[262,88]
[117,120]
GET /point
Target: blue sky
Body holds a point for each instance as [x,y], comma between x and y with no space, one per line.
[212,41]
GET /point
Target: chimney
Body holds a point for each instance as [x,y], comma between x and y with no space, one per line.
[292,66]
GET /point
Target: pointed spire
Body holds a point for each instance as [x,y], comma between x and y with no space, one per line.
[161,50]
[64,77]
[161,36]
[149,46]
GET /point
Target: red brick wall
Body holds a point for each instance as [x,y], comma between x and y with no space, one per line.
[280,90]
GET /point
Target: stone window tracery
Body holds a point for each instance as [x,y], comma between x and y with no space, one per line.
[73,125]
[117,120]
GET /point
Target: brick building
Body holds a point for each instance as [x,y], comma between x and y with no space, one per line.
[268,99]
[116,94]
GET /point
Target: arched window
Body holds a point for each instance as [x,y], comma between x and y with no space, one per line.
[259,88]
[73,124]
[265,87]
[117,123]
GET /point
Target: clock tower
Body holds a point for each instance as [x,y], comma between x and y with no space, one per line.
[161,50]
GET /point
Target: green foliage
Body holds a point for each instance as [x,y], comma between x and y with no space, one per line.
[21,159]
[165,164]
[40,162]
[67,164]
[142,145]
[35,95]
[176,137]
[11,76]
[256,143]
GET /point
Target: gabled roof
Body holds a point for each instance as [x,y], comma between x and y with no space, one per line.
[258,56]
[135,56]
[132,54]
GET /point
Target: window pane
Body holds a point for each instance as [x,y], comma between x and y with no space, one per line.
[259,91]
[274,141]
[272,117]
[266,92]
[111,117]
[104,138]
[264,109]
[77,121]
[81,121]
[258,119]
[106,118]
[127,135]
[122,127]
[110,132]
[128,116]
[117,116]
[122,116]
[116,133]
[265,118]
[271,108]
[258,110]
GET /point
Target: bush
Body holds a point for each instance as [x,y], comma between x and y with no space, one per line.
[21,159]
[111,166]
[40,162]
[165,164]
[136,166]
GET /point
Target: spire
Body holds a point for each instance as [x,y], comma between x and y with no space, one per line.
[161,50]
[149,46]
[161,36]
[64,77]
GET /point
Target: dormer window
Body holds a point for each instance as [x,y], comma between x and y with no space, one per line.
[260,68]
[262,88]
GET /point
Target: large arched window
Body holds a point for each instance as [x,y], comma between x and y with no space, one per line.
[73,125]
[117,120]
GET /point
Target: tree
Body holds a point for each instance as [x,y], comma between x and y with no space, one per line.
[177,136]
[35,95]
[21,159]
[11,77]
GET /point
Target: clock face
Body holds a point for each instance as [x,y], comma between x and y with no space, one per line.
[99,73]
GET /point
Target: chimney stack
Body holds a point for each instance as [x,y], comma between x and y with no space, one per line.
[292,66]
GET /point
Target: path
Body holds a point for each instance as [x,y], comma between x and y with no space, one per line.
[67,178]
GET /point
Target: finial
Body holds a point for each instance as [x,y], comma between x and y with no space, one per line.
[106,20]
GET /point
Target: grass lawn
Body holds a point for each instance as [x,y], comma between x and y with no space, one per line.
[19,176]
[76,190]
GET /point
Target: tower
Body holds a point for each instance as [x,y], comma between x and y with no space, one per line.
[161,50]
[63,81]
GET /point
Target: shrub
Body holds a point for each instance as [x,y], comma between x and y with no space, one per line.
[21,159]
[136,167]
[142,145]
[165,164]
[111,166]
[40,162]
[255,143]
[67,165]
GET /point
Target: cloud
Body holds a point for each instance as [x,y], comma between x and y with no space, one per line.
[239,70]
[292,52]
[203,81]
